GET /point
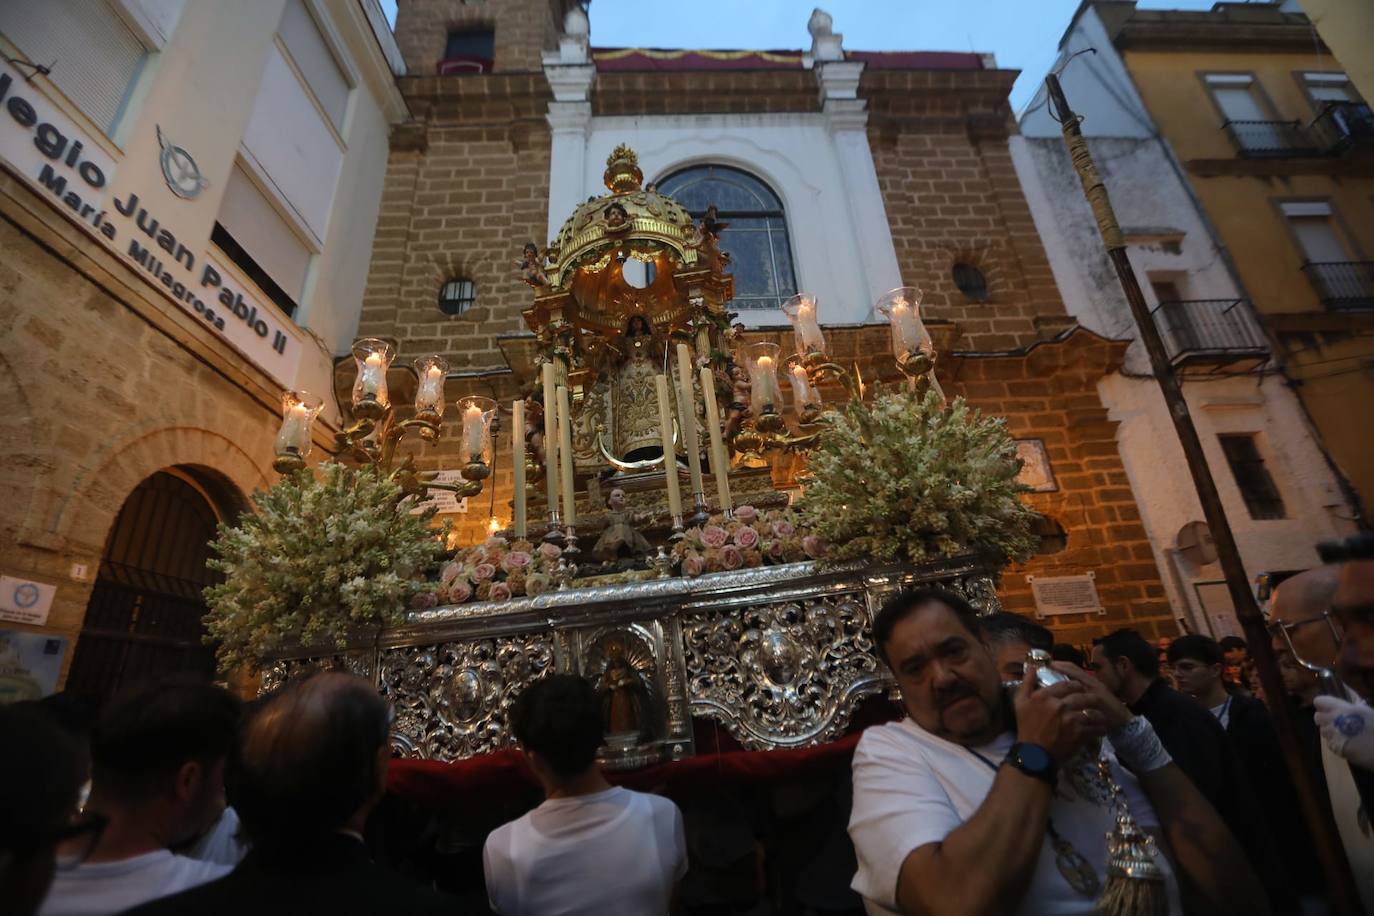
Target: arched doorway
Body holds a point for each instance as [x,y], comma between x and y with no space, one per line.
[144,616]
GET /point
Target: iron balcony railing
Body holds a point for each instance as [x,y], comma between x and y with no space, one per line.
[1209,330]
[1262,139]
[1342,284]
[1343,125]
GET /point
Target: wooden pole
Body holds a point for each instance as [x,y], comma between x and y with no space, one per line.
[1340,883]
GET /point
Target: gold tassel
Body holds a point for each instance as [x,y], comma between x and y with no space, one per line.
[1135,884]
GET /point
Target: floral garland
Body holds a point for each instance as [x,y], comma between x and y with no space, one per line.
[495,570]
[746,540]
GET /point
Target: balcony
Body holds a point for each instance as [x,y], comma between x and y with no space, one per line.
[1343,285]
[1344,125]
[1272,139]
[1211,334]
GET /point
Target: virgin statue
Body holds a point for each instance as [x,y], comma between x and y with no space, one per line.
[634,401]
[620,537]
[624,699]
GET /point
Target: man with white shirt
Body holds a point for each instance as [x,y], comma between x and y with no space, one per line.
[589,848]
[157,776]
[981,802]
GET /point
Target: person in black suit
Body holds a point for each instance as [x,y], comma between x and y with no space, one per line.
[1129,666]
[310,767]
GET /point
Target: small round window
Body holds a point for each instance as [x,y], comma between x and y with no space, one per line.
[971,282]
[457,297]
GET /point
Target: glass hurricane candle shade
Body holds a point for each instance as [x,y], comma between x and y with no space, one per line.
[476,413]
[299,410]
[764,394]
[806,400]
[373,356]
[902,309]
[429,395]
[802,313]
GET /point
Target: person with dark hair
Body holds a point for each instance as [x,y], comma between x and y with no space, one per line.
[1063,652]
[41,772]
[1129,666]
[961,808]
[1237,666]
[589,848]
[1010,637]
[157,777]
[309,767]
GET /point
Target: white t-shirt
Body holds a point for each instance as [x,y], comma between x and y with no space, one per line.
[98,888]
[912,788]
[610,852]
[221,842]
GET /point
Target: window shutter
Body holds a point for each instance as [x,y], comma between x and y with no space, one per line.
[316,62]
[93,54]
[262,232]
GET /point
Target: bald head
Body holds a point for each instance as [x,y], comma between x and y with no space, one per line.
[1354,605]
[313,759]
[1299,602]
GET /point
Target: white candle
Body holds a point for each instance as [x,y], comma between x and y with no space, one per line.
[768,379]
[294,437]
[720,464]
[472,432]
[665,432]
[550,438]
[565,457]
[905,331]
[801,389]
[687,417]
[430,394]
[808,329]
[517,450]
[374,378]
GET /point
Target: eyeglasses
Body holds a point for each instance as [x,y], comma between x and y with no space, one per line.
[76,841]
[1326,677]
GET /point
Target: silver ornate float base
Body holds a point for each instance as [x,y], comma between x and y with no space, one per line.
[780,656]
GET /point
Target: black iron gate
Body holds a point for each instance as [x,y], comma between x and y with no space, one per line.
[144,616]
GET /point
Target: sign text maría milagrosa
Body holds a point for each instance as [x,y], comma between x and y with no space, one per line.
[51,153]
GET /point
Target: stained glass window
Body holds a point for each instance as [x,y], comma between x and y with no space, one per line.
[760,253]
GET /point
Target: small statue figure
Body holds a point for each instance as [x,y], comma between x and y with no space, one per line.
[711,224]
[530,269]
[617,218]
[624,698]
[619,539]
[740,390]
[534,430]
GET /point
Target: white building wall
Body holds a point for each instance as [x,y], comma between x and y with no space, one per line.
[1168,240]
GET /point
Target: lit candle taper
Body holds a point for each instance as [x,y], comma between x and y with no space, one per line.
[517,451]
[720,464]
[665,431]
[565,458]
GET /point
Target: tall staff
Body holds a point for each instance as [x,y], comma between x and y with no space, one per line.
[1340,883]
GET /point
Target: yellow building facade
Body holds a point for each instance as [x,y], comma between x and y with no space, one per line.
[1278,147]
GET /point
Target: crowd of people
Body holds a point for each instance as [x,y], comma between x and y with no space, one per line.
[1011,784]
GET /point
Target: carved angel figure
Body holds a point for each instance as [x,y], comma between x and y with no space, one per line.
[740,389]
[531,270]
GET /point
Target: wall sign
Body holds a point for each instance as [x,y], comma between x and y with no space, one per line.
[23,601]
[54,156]
[1055,595]
[29,665]
[443,501]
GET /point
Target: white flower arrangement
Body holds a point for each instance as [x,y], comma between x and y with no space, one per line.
[907,478]
[321,559]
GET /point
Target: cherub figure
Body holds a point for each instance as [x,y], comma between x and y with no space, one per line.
[738,411]
[617,218]
[530,268]
[711,224]
[534,430]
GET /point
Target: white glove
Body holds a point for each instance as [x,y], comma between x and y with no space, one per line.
[1348,729]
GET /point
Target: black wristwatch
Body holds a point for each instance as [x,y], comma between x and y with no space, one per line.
[1033,760]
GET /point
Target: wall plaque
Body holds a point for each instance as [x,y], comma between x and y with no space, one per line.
[443,501]
[1055,595]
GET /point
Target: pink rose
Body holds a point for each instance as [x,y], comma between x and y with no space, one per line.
[536,584]
[746,514]
[422,601]
[782,528]
[483,572]
[746,537]
[714,536]
[500,591]
[730,557]
[775,550]
[516,559]
[550,552]
[459,591]
[693,565]
[813,547]
[451,571]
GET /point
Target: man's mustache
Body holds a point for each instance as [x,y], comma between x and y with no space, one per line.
[948,696]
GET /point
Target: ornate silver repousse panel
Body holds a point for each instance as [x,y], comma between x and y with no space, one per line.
[781,674]
[282,670]
[451,699]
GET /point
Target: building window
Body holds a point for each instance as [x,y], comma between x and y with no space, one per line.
[1323,88]
[457,296]
[256,237]
[93,55]
[1252,477]
[760,252]
[469,51]
[315,61]
[971,282]
[1339,278]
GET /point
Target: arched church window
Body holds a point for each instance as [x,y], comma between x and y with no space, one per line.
[760,253]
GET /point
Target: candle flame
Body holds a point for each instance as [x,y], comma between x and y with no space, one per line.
[435,372]
[766,362]
[374,360]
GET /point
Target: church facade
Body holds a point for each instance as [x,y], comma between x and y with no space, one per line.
[840,173]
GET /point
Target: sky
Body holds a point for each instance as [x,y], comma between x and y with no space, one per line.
[1023,34]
